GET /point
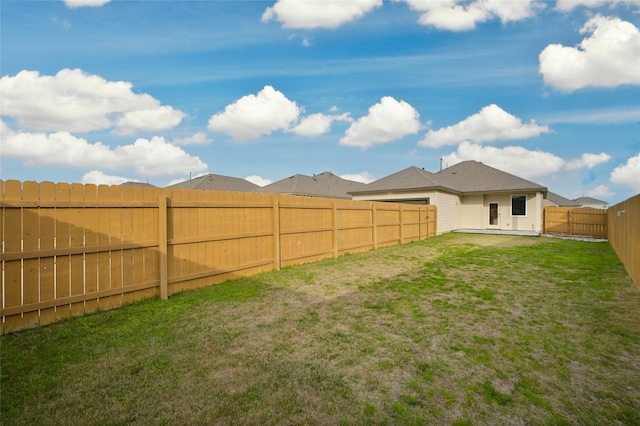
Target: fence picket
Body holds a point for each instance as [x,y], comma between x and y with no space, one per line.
[47,242]
[63,241]
[12,268]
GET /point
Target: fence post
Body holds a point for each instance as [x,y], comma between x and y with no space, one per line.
[276,232]
[374,225]
[401,225]
[162,245]
[570,223]
[334,232]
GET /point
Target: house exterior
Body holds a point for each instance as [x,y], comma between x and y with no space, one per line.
[555,200]
[469,195]
[321,185]
[592,203]
[212,182]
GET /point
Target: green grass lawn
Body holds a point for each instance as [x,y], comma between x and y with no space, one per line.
[458,329]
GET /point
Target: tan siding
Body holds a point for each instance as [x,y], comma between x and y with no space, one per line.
[448,211]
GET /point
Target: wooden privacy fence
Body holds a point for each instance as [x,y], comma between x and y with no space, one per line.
[623,221]
[73,249]
[575,221]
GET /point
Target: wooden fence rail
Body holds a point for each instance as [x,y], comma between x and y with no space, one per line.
[624,234]
[72,249]
[575,221]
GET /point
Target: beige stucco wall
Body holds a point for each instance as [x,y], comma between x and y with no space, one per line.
[472,211]
[532,221]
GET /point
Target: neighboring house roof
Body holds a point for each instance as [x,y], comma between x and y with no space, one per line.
[321,185]
[148,185]
[464,177]
[589,201]
[408,179]
[560,201]
[213,182]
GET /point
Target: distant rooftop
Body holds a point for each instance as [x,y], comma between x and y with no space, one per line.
[214,182]
[560,201]
[589,200]
[144,184]
[321,185]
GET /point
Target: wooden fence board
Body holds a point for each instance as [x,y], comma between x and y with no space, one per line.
[76,225]
[114,194]
[104,258]
[47,242]
[13,268]
[90,222]
[30,242]
[63,262]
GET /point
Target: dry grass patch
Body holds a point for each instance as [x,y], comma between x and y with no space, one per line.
[459,329]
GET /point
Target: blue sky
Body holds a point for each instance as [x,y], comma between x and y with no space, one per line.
[99,91]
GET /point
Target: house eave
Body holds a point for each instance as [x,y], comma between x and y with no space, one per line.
[448,190]
[405,191]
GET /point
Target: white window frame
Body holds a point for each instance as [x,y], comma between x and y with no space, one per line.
[525,205]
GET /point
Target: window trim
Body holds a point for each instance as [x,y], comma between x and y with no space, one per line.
[525,205]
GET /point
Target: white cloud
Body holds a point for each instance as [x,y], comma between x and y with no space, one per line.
[199,138]
[608,58]
[74,101]
[80,3]
[600,191]
[255,115]
[318,14]
[318,124]
[258,180]
[386,121]
[149,157]
[157,157]
[163,117]
[628,174]
[588,161]
[492,123]
[568,5]
[98,178]
[364,177]
[455,15]
[620,115]
[511,159]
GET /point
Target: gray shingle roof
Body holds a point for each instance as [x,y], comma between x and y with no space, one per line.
[464,177]
[409,178]
[213,182]
[560,201]
[321,185]
[473,176]
[143,184]
[589,200]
